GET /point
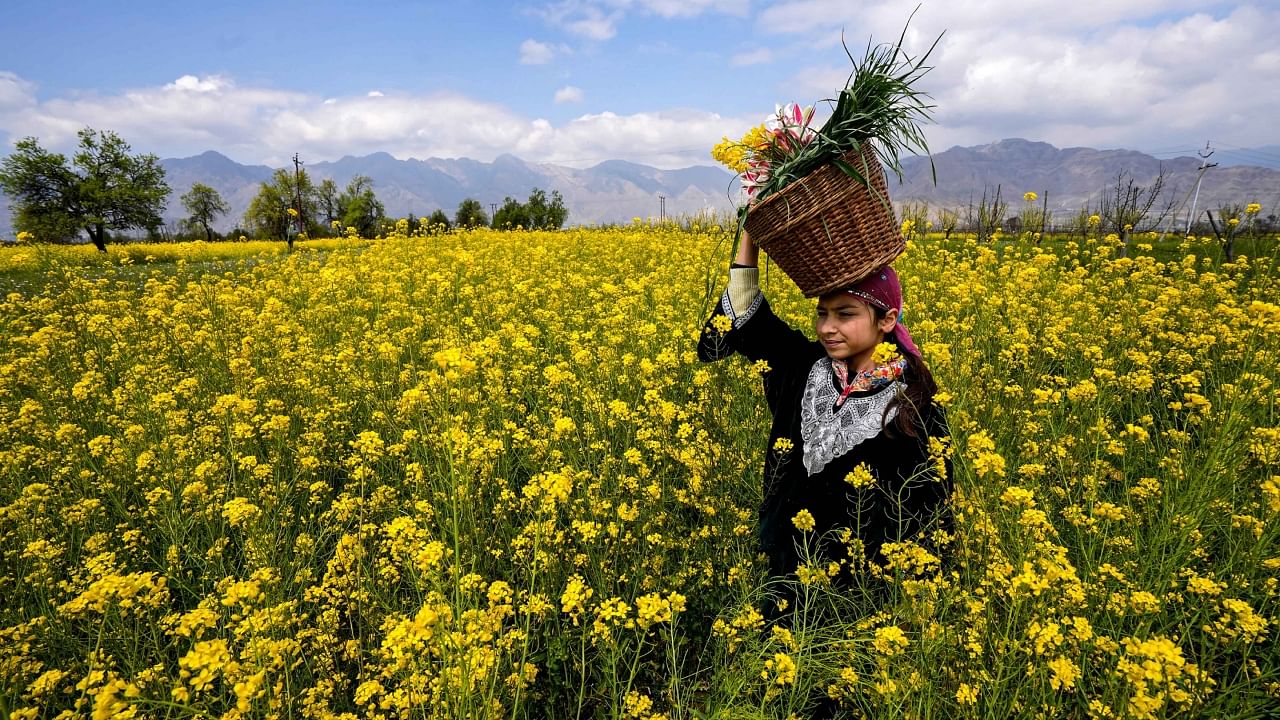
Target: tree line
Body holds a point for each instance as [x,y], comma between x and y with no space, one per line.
[104,188]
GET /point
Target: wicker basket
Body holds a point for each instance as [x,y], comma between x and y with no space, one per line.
[828,230]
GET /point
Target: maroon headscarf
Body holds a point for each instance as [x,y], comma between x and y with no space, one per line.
[882,289]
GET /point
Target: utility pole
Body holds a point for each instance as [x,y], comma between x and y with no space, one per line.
[1204,165]
[493,210]
[662,208]
[1044,216]
[297,196]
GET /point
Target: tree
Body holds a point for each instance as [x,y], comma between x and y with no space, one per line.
[104,188]
[360,207]
[536,214]
[204,204]
[1126,206]
[327,201]
[268,213]
[987,216]
[544,215]
[1034,217]
[1225,227]
[511,215]
[915,219]
[949,219]
[470,214]
[440,220]
[1080,223]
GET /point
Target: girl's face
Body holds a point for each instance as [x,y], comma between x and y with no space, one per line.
[848,329]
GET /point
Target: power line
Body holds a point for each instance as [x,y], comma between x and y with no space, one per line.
[1245,158]
[1240,147]
[1252,152]
[1171,151]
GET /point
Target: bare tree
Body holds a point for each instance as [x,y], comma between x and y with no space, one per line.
[1035,219]
[1126,206]
[948,219]
[915,218]
[1229,216]
[1079,223]
[990,213]
[983,218]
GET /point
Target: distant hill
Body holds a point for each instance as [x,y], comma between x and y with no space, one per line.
[616,190]
[1073,177]
[236,183]
[613,191]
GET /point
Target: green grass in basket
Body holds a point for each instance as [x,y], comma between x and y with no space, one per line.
[878,104]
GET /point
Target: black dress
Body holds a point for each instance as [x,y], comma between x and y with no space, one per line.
[801,391]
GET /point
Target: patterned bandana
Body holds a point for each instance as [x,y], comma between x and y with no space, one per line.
[872,379]
[883,290]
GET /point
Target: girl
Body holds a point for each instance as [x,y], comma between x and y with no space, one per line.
[841,420]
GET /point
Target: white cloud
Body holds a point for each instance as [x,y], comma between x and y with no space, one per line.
[1266,62]
[15,93]
[584,18]
[594,24]
[163,119]
[256,125]
[533,52]
[569,94]
[1135,73]
[674,138]
[375,93]
[599,19]
[693,8]
[191,83]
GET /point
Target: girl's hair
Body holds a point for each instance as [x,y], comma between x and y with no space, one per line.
[921,388]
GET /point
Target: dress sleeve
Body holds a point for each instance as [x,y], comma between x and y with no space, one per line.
[743,294]
[752,330]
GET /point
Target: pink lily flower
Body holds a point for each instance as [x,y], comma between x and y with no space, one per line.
[789,132]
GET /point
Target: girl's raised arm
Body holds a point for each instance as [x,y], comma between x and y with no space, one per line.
[743,322]
[748,253]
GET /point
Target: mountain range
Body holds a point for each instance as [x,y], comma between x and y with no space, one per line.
[613,191]
[616,191]
[1077,177]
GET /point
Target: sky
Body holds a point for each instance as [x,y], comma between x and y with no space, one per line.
[659,82]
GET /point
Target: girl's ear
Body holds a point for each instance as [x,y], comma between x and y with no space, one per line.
[889,321]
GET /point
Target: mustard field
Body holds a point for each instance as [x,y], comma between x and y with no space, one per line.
[482,475]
